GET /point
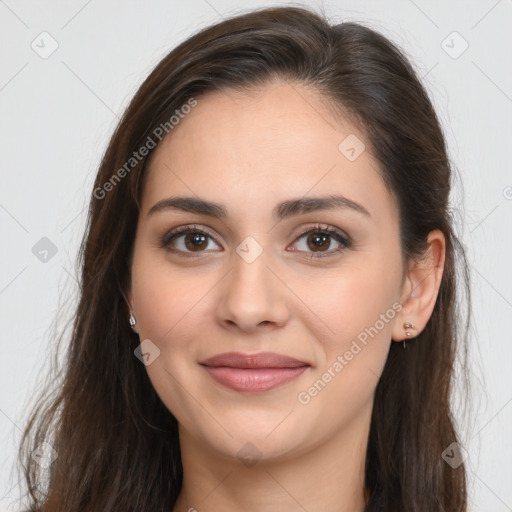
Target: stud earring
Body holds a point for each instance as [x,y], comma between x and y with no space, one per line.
[132,321]
[407,325]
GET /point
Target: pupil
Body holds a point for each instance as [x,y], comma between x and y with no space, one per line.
[319,240]
[195,241]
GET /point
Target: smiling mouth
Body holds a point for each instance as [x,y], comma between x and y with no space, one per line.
[257,372]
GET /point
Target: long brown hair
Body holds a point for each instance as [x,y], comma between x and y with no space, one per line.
[116,443]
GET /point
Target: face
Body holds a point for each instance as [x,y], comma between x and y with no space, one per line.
[320,285]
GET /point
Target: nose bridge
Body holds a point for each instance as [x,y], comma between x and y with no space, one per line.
[250,275]
[252,294]
[251,261]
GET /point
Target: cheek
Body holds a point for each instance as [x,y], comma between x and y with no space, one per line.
[169,311]
[358,307]
[352,303]
[165,300]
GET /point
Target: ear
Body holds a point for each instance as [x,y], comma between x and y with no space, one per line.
[421,287]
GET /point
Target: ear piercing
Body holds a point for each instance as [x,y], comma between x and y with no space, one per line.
[407,325]
[132,321]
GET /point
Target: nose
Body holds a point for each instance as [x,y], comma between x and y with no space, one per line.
[252,297]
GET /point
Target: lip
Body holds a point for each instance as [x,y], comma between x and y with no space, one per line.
[258,360]
[253,372]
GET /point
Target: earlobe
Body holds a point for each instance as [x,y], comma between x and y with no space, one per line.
[421,289]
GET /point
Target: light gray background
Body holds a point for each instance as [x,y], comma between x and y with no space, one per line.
[58,113]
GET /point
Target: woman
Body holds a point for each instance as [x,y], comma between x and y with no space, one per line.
[268,230]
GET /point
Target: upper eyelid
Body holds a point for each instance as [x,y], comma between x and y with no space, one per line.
[183,230]
[319,227]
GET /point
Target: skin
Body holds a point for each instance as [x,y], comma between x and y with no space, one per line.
[250,152]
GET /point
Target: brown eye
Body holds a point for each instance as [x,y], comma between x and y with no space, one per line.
[322,241]
[195,241]
[188,240]
[318,241]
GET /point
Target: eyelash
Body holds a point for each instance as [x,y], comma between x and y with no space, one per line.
[339,236]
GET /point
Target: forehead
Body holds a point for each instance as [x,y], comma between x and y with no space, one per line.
[259,147]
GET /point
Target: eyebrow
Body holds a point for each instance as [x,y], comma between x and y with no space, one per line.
[281,211]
